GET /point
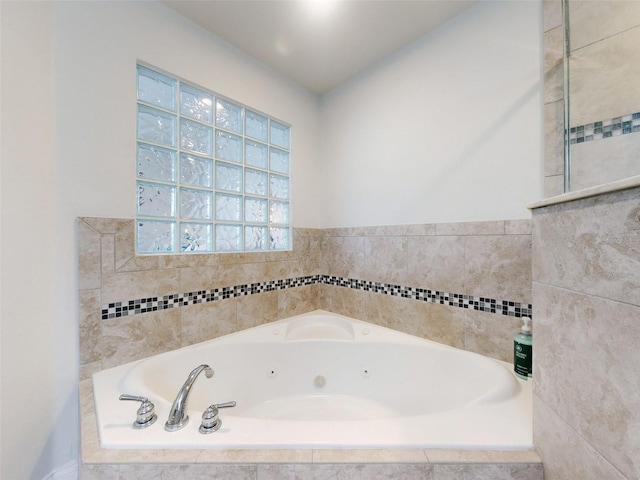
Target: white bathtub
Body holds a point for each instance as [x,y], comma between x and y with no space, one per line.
[321,380]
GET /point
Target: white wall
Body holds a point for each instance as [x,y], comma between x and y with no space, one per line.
[31,383]
[97,45]
[448,129]
[68,150]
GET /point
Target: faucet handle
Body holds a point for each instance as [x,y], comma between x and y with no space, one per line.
[145,415]
[210,421]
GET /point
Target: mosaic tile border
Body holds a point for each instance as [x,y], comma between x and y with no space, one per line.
[605,128]
[154,304]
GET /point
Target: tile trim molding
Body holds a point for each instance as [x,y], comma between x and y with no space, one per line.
[152,304]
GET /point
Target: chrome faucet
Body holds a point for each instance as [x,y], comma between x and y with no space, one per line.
[178,417]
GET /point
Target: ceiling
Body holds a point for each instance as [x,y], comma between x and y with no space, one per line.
[319,43]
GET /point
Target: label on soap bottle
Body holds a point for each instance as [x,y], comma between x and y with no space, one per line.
[522,359]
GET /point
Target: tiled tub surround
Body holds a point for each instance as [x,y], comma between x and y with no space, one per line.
[483,259]
[586,272]
[110,272]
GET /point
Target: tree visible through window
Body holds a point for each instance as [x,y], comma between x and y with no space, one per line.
[212,174]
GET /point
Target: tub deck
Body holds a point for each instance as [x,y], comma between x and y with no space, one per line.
[256,464]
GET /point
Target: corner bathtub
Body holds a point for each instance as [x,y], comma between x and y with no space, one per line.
[322,380]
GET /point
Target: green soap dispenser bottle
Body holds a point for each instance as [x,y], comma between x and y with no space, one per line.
[522,350]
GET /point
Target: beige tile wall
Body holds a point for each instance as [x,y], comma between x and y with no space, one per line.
[488,259]
[604,60]
[110,272]
[586,289]
[586,272]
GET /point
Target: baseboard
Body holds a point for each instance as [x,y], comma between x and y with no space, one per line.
[69,471]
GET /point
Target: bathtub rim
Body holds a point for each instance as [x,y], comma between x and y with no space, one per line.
[410,338]
[91,453]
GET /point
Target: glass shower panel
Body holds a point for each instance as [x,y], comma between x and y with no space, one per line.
[604,95]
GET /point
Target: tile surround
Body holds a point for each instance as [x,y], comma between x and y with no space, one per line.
[564,452]
[367,273]
[582,256]
[585,258]
[600,402]
[203,296]
[586,287]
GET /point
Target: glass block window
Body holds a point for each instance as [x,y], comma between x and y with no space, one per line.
[212,175]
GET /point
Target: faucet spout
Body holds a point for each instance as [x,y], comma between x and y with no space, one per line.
[178,417]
